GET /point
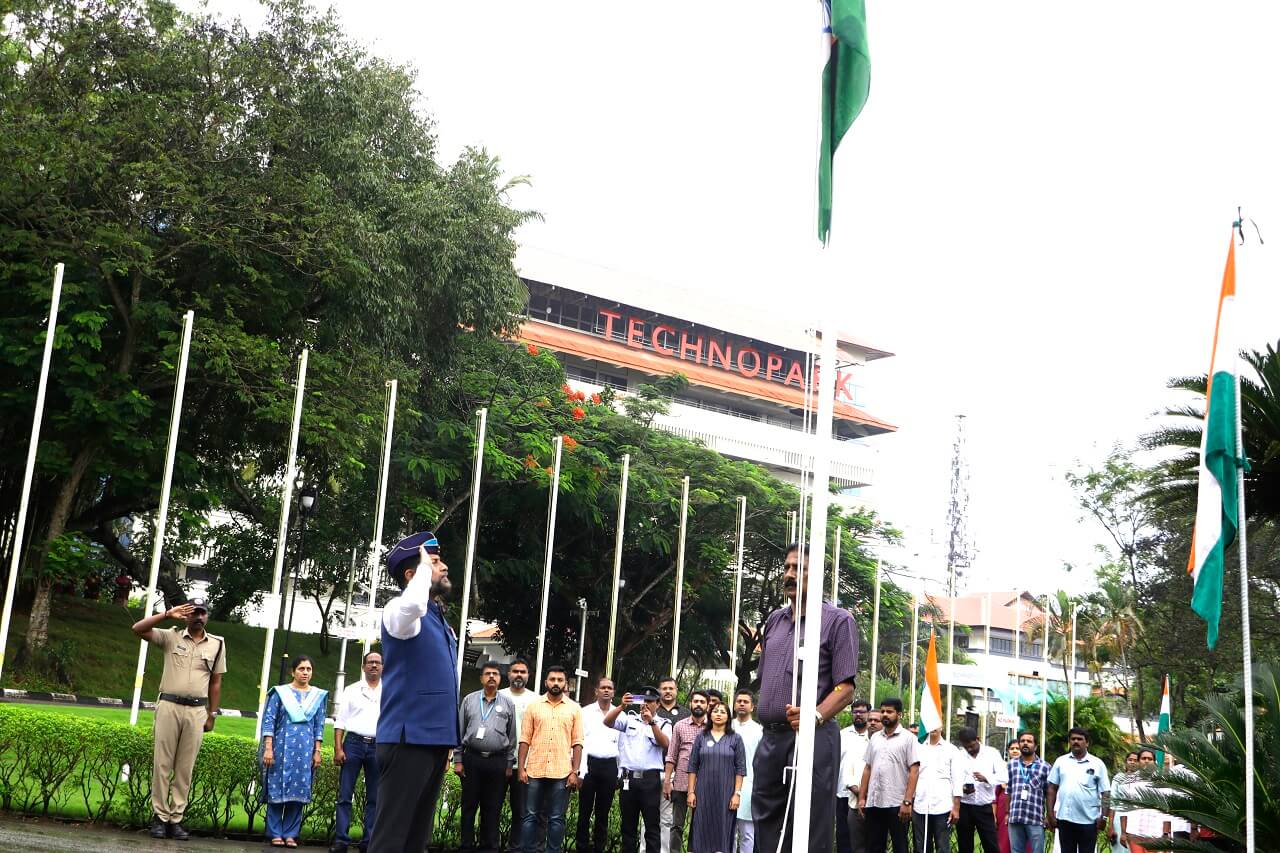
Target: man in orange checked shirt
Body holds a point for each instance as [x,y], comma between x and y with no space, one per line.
[550,755]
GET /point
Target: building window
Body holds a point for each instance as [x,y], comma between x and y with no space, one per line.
[962,641]
[1000,646]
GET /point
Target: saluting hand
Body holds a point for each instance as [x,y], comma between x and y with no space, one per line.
[182,611]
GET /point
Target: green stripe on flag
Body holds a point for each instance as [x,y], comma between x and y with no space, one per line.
[1221,459]
[846,82]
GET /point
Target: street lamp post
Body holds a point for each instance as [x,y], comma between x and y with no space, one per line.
[305,506]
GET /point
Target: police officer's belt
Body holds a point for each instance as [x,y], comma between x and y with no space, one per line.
[190,701]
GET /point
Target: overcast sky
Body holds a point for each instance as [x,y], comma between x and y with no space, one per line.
[1032,211]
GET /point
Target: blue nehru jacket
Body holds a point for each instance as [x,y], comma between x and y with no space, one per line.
[419,680]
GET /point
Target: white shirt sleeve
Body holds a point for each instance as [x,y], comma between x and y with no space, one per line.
[340,719]
[1001,774]
[403,614]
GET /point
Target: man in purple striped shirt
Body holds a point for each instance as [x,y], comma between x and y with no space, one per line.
[779,712]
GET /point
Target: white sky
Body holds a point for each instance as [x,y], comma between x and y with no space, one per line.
[1032,211]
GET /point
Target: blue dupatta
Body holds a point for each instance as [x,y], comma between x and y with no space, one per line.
[313,702]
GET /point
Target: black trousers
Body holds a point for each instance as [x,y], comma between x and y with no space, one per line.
[409,780]
[855,826]
[769,792]
[1075,837]
[595,797]
[981,818]
[932,832]
[482,783]
[882,825]
[641,797]
[843,844]
[679,819]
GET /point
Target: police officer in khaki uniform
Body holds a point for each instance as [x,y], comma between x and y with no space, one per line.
[190,690]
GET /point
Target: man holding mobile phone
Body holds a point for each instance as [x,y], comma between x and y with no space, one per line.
[642,747]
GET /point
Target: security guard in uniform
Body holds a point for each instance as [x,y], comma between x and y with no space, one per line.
[642,747]
[190,690]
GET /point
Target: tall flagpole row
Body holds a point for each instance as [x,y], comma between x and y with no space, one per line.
[477,470]
[341,681]
[372,630]
[875,635]
[737,586]
[617,563]
[1044,675]
[986,678]
[915,638]
[286,501]
[675,619]
[546,564]
[162,513]
[20,524]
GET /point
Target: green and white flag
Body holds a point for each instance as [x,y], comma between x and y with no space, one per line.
[1217,504]
[1166,718]
[846,81]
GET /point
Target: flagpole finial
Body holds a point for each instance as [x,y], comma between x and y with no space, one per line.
[1238,227]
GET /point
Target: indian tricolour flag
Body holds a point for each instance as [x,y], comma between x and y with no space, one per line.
[846,82]
[1166,720]
[1217,510]
[931,695]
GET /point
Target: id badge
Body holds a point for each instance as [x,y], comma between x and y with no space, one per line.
[626,784]
[480,735]
[1026,795]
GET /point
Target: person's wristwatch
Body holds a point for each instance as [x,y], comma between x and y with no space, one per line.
[821,719]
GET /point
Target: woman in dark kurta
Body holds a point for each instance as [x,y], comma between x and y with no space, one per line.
[717,766]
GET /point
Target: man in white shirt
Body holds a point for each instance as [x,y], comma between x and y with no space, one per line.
[888,786]
[853,749]
[982,768]
[938,792]
[744,704]
[355,729]
[600,780]
[521,698]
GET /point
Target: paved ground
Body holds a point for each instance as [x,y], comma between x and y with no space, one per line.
[51,836]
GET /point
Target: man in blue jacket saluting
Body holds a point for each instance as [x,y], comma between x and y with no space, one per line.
[418,726]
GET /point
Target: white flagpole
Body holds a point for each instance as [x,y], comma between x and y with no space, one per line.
[346,629]
[1247,643]
[949,711]
[835,567]
[617,562]
[737,586]
[875,635]
[477,469]
[162,513]
[1017,666]
[372,630]
[1071,699]
[986,678]
[546,565]
[791,524]
[675,619]
[1044,676]
[282,535]
[20,525]
[809,654]
[915,638]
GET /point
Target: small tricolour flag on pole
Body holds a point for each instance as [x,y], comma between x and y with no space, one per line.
[1217,509]
[846,82]
[1166,720]
[931,695]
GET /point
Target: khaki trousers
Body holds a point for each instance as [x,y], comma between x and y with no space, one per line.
[178,732]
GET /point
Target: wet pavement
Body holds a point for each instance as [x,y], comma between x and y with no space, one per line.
[53,836]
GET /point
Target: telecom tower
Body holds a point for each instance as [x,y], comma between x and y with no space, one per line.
[959,548]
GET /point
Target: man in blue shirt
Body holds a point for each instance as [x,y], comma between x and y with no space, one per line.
[418,723]
[1028,778]
[642,750]
[1078,796]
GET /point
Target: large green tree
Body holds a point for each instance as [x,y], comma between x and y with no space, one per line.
[280,183]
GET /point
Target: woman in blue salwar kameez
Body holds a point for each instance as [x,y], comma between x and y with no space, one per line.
[292,731]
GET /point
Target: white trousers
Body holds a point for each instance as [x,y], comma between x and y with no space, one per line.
[746,836]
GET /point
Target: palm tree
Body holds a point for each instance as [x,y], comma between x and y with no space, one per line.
[1114,632]
[1059,630]
[1260,413]
[1211,794]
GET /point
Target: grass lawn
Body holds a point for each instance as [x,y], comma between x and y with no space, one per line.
[102,653]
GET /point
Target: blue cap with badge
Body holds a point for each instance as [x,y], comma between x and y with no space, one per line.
[406,551]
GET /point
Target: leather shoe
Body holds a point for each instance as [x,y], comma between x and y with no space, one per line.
[159,829]
[338,847]
[177,832]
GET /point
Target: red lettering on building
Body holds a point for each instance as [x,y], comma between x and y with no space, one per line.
[656,338]
[755,366]
[635,333]
[725,353]
[695,347]
[772,363]
[795,373]
[843,389]
[609,317]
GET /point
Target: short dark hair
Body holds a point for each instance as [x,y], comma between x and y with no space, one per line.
[490,666]
[795,546]
[1031,735]
[967,735]
[1076,730]
[1135,753]
[891,702]
[742,691]
[517,660]
[860,703]
[698,691]
[603,678]
[365,659]
[664,679]
[1146,749]
[555,667]
[300,660]
[712,693]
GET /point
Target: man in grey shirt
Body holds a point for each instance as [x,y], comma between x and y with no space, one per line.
[889,781]
[485,758]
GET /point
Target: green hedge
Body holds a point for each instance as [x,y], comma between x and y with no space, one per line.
[85,768]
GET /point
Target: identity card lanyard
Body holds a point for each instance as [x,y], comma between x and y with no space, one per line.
[484,715]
